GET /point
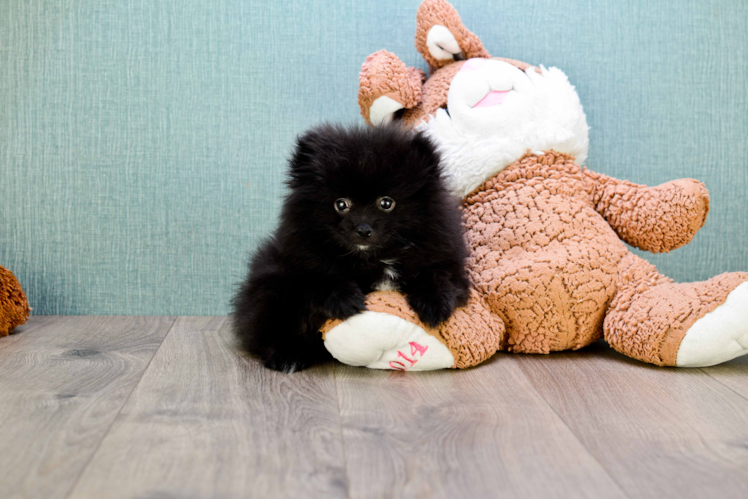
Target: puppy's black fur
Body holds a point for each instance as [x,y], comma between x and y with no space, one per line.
[396,226]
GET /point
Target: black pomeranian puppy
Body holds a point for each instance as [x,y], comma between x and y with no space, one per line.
[367,210]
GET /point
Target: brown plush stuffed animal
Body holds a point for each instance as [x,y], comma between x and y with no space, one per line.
[14,308]
[549,266]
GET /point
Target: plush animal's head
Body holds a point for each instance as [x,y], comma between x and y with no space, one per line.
[483,112]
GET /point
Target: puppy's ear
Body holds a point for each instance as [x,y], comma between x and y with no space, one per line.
[423,165]
[428,157]
[304,162]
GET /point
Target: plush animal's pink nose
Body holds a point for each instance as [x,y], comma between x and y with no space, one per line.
[473,64]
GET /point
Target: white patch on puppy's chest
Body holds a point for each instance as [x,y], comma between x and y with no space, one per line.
[388,283]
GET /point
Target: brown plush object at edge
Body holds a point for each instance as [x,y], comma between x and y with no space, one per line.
[14,308]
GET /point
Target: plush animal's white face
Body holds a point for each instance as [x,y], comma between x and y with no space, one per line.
[496,112]
[491,97]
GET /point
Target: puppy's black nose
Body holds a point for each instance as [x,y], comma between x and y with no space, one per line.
[364,230]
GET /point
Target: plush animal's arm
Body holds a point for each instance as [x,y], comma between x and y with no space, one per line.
[658,218]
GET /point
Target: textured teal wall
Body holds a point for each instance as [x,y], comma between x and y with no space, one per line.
[142,143]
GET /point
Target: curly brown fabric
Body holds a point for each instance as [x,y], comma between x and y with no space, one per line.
[473,333]
[434,94]
[650,314]
[384,74]
[542,256]
[557,272]
[656,219]
[14,308]
[433,12]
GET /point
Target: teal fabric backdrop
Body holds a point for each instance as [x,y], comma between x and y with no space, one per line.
[143,143]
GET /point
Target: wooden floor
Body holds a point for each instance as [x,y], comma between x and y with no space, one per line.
[164,407]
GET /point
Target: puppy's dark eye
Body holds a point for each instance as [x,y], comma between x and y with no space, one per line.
[386,204]
[342,205]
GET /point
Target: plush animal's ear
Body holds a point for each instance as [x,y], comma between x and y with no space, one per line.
[387,85]
[441,38]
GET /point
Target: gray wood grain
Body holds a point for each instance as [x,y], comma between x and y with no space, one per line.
[205,422]
[62,382]
[660,432]
[733,374]
[116,407]
[483,432]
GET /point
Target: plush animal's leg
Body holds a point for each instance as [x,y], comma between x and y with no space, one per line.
[657,321]
[473,333]
[389,336]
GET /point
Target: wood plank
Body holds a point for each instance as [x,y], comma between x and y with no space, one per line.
[733,374]
[206,422]
[483,432]
[660,432]
[63,380]
[19,337]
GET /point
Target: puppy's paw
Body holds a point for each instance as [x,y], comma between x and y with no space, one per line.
[345,303]
[294,356]
[286,364]
[432,308]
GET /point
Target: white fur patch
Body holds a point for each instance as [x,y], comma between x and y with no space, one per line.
[720,335]
[382,110]
[388,283]
[542,112]
[441,43]
[383,341]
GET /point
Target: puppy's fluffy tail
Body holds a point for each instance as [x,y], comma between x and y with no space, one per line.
[268,319]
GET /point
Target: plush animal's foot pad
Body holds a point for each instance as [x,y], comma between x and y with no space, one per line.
[720,335]
[387,342]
